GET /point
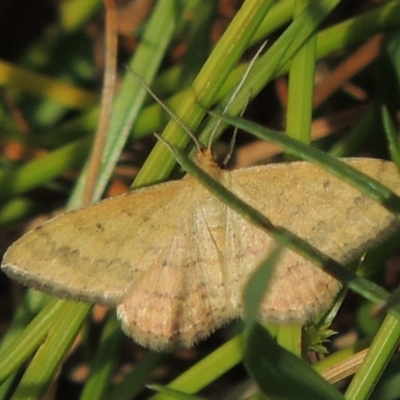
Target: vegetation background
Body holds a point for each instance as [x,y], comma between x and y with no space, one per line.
[342,60]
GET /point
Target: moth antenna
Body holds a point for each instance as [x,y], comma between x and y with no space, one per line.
[164,142]
[234,135]
[235,92]
[170,113]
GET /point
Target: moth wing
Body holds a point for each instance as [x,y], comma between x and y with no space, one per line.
[182,297]
[318,207]
[95,253]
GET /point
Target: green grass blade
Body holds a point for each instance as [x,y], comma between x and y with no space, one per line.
[132,384]
[382,348]
[13,355]
[301,88]
[171,394]
[277,57]
[208,369]
[258,285]
[47,359]
[159,32]
[392,136]
[205,88]
[37,172]
[282,375]
[103,364]
[363,183]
